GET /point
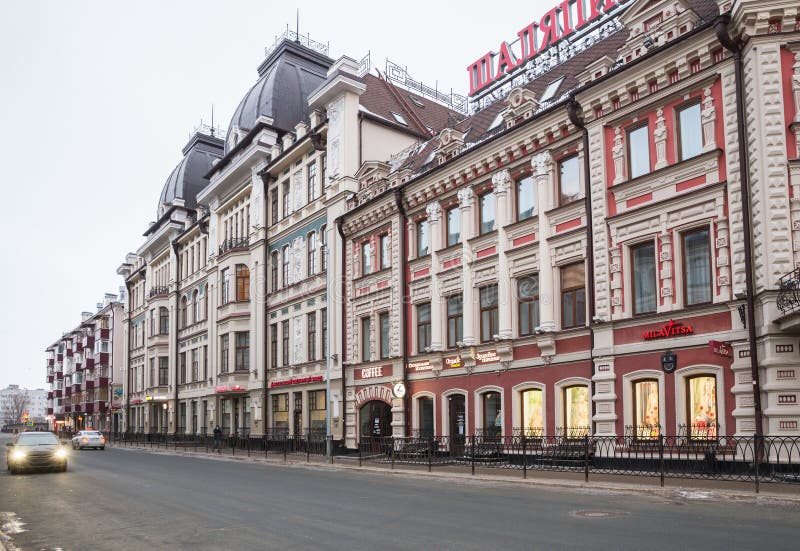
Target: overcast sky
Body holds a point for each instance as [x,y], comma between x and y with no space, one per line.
[98,98]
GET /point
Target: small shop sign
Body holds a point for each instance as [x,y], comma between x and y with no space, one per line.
[720,348]
[487,357]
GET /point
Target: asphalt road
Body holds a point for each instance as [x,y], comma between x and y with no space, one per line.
[126,499]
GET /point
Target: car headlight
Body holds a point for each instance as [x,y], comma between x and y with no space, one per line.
[18,455]
[61,453]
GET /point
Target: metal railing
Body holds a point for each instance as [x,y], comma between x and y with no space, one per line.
[233,243]
[789,292]
[159,290]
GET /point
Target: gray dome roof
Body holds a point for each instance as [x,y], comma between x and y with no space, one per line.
[286,78]
[189,177]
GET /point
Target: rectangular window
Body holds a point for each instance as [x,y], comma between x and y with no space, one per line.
[423,239]
[643,267]
[526,198]
[365,340]
[195,364]
[423,327]
[287,199]
[453,226]
[225,289]
[385,332]
[366,258]
[152,381]
[573,296]
[163,371]
[532,412]
[163,321]
[285,260]
[324,173]
[569,180]
[285,343]
[205,362]
[274,206]
[697,267]
[311,326]
[153,321]
[386,254]
[455,320]
[224,353]
[242,351]
[274,267]
[242,283]
[317,411]
[324,314]
[690,131]
[489,313]
[273,345]
[486,203]
[312,181]
[528,292]
[639,151]
[182,371]
[645,409]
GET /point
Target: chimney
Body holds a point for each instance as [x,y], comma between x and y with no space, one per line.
[85,316]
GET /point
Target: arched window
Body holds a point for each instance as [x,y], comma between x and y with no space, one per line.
[576,411]
[532,412]
[324,247]
[492,414]
[205,301]
[285,265]
[646,408]
[195,306]
[312,253]
[184,311]
[242,282]
[701,401]
[274,284]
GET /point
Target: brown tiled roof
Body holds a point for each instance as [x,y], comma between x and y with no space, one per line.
[381,99]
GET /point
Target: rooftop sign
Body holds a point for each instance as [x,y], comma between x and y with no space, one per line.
[564,31]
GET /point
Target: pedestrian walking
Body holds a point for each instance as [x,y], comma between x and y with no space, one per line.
[217,438]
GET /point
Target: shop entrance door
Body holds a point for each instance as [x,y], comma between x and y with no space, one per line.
[235,425]
[375,420]
[456,406]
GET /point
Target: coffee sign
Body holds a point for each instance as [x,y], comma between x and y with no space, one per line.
[374,372]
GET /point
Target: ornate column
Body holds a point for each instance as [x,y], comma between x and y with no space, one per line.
[665,259]
[434,211]
[502,181]
[542,164]
[466,199]
[660,138]
[708,115]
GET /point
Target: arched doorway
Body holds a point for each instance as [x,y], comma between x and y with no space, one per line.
[375,420]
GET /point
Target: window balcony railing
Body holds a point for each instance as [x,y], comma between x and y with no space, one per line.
[789,292]
[232,244]
[159,291]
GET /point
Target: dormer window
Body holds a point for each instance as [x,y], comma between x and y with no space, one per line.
[399,118]
[551,90]
[416,102]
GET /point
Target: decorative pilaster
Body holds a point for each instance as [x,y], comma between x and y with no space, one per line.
[502,182]
[616,282]
[604,397]
[618,152]
[709,120]
[723,258]
[542,164]
[466,199]
[434,211]
[665,272]
[660,138]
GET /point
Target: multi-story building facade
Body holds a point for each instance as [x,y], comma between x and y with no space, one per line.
[588,255]
[85,369]
[12,398]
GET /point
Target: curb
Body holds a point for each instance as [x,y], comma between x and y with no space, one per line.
[686,492]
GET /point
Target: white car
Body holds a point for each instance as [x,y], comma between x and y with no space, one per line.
[88,439]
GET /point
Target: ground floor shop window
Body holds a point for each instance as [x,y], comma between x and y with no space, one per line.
[226,416]
[317,411]
[646,409]
[425,419]
[532,412]
[245,416]
[280,413]
[375,419]
[576,411]
[702,403]
[492,414]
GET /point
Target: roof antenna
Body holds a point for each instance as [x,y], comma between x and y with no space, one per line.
[297,32]
[212,119]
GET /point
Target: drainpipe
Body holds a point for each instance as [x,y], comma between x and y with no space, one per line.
[177,327]
[342,295]
[128,365]
[735,47]
[267,347]
[575,114]
[398,199]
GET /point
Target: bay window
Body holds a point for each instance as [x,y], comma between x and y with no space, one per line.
[242,282]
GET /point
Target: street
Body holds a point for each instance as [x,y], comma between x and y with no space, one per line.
[132,499]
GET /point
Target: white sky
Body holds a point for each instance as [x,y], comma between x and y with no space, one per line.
[98,98]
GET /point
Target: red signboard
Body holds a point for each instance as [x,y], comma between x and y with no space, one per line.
[720,348]
[668,330]
[297,381]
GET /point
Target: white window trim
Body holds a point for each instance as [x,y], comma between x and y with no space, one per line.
[628,398]
[681,377]
[478,398]
[445,407]
[516,406]
[415,410]
[559,399]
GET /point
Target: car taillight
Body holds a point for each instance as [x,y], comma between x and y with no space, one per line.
[102,438]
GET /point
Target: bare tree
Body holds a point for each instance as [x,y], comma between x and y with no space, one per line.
[16,406]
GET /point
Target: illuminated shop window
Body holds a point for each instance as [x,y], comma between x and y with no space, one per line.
[532,412]
[645,408]
[702,402]
[317,411]
[492,414]
[576,411]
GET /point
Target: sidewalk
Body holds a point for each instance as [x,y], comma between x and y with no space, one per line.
[674,488]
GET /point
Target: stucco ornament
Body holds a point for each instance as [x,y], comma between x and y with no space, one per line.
[660,138]
[434,210]
[298,340]
[465,197]
[542,163]
[709,118]
[618,152]
[501,181]
[297,259]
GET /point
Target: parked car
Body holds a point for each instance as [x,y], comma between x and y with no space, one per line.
[36,450]
[88,439]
